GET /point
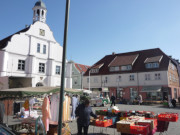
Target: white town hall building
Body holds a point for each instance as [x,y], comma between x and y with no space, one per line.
[32,57]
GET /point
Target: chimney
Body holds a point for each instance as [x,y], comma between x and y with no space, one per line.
[170,56]
[26,26]
[113,53]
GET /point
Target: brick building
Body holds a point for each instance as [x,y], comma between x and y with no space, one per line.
[151,73]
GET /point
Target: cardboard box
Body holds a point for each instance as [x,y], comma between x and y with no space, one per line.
[136,118]
[123,126]
[151,122]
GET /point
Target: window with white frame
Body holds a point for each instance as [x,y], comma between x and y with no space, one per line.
[175,93]
[44,49]
[126,68]
[21,65]
[133,93]
[173,67]
[152,65]
[173,78]
[58,70]
[155,65]
[95,70]
[147,77]
[38,47]
[118,79]
[157,76]
[170,77]
[95,80]
[131,77]
[75,80]
[149,65]
[41,67]
[112,69]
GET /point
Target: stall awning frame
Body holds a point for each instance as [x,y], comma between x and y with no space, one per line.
[34,91]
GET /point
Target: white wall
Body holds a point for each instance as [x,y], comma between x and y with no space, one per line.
[112,80]
[162,81]
[23,46]
[4,82]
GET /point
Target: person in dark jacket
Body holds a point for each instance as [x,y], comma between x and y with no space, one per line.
[173,102]
[83,113]
[113,98]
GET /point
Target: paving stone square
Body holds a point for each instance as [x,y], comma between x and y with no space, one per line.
[174,127]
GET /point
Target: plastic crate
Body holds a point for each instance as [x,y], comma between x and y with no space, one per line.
[171,117]
[154,121]
[139,129]
[104,123]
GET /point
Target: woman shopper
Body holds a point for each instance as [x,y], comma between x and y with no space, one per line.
[83,113]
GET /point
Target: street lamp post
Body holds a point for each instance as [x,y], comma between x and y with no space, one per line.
[89,78]
[82,73]
[63,67]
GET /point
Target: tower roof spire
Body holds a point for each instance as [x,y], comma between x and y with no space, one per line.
[39,11]
[40,3]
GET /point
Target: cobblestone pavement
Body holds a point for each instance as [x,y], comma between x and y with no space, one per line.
[174,127]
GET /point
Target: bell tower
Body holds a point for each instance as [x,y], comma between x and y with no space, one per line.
[39,12]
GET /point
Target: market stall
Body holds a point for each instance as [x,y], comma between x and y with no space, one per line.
[134,122]
[19,105]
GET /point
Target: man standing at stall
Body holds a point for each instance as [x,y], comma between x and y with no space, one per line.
[113,98]
[83,113]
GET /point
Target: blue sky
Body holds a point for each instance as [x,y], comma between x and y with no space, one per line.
[100,27]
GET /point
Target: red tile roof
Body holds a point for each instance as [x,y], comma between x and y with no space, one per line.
[153,59]
[97,66]
[138,66]
[123,60]
[81,68]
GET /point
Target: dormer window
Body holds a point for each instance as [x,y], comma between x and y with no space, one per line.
[95,68]
[123,63]
[153,62]
[126,68]
[152,65]
[112,69]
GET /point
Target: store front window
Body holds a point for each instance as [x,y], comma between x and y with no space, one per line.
[175,93]
[154,96]
[133,93]
[119,93]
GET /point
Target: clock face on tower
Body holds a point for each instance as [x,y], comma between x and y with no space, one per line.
[42,32]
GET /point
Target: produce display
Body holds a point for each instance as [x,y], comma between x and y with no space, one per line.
[134,122]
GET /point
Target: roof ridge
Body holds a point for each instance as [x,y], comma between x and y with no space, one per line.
[82,64]
[3,42]
[135,51]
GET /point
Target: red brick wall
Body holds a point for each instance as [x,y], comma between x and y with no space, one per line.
[172,91]
[112,90]
[126,94]
[127,91]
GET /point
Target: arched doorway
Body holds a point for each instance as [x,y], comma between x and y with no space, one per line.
[39,84]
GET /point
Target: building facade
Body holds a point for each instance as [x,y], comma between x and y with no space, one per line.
[32,57]
[78,71]
[150,73]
